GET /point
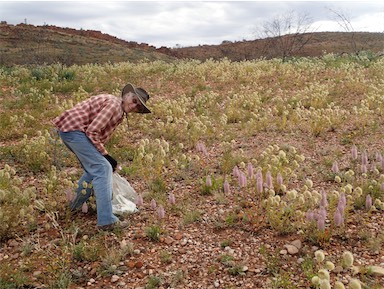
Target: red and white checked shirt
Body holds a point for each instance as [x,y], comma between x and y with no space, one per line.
[97,117]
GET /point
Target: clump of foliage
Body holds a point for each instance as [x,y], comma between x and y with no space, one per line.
[17,213]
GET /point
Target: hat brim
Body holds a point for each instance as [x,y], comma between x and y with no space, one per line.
[130,88]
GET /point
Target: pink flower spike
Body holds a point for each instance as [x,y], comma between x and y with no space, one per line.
[242,179]
[323,201]
[235,171]
[279,179]
[153,204]
[320,223]
[172,199]
[161,212]
[364,158]
[208,181]
[323,213]
[340,207]
[259,174]
[84,208]
[364,169]
[69,195]
[338,218]
[310,216]
[379,157]
[227,189]
[250,170]
[368,202]
[200,147]
[354,152]
[259,185]
[139,201]
[343,199]
[335,167]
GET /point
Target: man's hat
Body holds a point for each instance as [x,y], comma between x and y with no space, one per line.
[141,94]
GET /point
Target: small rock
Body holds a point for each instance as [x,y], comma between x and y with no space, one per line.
[168,240]
[300,260]
[123,268]
[114,278]
[181,250]
[216,284]
[292,250]
[91,281]
[297,244]
[178,236]
[139,264]
[131,264]
[283,252]
[140,275]
[36,273]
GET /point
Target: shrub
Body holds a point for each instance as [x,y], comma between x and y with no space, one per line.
[17,213]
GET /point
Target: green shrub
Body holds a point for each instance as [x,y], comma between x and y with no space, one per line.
[17,214]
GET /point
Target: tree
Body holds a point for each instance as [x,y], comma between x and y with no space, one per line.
[286,34]
[344,21]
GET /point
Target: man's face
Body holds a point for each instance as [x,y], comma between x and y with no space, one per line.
[131,103]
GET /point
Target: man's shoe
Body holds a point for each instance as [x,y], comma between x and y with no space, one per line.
[113,226]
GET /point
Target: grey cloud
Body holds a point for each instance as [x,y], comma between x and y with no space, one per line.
[168,23]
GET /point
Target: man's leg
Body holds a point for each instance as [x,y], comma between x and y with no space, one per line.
[83,192]
[97,169]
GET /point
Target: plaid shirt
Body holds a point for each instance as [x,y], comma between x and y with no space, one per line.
[97,117]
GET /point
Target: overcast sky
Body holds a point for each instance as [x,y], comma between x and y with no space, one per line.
[189,23]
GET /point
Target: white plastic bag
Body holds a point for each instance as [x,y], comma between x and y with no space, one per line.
[123,196]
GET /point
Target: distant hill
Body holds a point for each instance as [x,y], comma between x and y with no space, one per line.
[318,44]
[28,44]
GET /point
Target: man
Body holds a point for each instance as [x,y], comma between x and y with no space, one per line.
[84,129]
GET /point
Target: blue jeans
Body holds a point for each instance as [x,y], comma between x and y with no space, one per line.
[97,171]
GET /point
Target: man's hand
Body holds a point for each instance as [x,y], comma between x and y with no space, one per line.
[112,161]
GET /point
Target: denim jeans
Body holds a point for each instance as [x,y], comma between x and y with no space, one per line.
[97,171]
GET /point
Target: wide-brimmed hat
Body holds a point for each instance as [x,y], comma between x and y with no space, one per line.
[141,94]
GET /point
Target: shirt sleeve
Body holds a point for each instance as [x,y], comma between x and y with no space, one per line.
[95,128]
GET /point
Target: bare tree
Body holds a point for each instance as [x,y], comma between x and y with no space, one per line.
[286,35]
[344,21]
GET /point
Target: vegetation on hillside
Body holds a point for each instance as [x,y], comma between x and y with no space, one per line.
[28,44]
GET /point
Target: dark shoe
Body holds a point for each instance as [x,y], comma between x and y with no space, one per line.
[117,225]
